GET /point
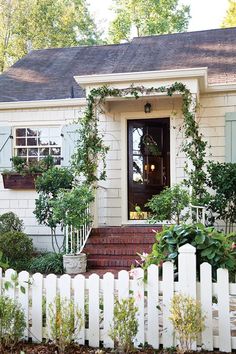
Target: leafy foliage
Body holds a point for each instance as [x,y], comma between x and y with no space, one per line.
[169,205]
[16,247]
[10,222]
[125,324]
[211,245]
[222,179]
[65,324]
[230,18]
[48,186]
[148,17]
[70,206]
[47,263]
[187,320]
[12,323]
[33,24]
[24,168]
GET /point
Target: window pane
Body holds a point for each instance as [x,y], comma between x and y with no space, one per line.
[31,132]
[20,141]
[20,132]
[57,160]
[44,152]
[55,151]
[32,159]
[54,141]
[21,152]
[33,152]
[31,141]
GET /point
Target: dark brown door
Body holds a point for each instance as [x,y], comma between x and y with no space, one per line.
[148,162]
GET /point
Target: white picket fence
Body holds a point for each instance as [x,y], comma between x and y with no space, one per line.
[96,296]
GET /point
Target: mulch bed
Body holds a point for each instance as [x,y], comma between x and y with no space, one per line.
[74,349]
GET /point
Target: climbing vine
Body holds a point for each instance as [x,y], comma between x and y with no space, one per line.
[89,159]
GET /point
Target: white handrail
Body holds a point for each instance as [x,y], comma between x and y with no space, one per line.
[77,238]
[199,217]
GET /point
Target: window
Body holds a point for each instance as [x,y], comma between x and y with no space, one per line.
[34,144]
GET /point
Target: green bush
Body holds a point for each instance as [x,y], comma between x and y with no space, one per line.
[222,179]
[65,323]
[16,247]
[169,204]
[187,319]
[47,263]
[211,245]
[12,323]
[10,222]
[125,325]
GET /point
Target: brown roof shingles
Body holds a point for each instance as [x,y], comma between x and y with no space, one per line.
[48,74]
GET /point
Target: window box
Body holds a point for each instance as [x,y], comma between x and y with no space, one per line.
[13,180]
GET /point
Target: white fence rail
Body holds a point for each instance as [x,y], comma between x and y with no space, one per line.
[95,298]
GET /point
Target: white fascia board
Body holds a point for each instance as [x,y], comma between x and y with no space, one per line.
[86,81]
[221,87]
[67,102]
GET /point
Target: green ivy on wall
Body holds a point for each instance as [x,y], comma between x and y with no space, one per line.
[89,159]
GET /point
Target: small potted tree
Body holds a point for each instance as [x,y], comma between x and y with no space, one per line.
[72,208]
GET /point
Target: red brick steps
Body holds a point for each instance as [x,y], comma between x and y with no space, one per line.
[116,248]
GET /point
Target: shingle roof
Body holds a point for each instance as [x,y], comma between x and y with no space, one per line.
[48,74]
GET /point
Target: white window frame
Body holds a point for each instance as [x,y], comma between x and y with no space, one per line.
[27,147]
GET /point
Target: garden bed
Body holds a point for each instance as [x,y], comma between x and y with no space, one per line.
[74,349]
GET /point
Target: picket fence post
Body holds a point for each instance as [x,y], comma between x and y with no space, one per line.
[187,270]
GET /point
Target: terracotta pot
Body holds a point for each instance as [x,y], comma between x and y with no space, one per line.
[75,264]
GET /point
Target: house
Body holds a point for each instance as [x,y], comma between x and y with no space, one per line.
[46,90]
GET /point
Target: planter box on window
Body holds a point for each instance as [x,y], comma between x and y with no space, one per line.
[17,181]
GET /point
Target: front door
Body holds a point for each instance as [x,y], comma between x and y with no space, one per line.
[148,162]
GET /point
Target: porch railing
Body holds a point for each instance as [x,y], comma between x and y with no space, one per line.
[197,213]
[76,239]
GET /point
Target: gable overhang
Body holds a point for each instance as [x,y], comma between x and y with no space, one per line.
[195,79]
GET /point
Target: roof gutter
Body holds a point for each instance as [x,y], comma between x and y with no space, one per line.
[67,102]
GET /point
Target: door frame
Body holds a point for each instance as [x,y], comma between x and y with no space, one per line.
[124,156]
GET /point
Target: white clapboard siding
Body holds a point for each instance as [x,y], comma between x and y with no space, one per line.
[206,305]
[79,303]
[94,311]
[223,308]
[23,298]
[37,308]
[168,292]
[152,307]
[152,298]
[108,301]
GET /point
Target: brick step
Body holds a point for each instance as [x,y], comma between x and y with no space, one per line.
[120,240]
[102,261]
[108,231]
[117,250]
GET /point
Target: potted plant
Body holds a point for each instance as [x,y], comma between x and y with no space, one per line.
[24,174]
[72,207]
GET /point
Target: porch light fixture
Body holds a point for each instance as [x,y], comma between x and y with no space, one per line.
[147,107]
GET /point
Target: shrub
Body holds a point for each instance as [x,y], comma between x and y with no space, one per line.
[222,179]
[47,263]
[10,222]
[125,324]
[16,247]
[169,204]
[65,324]
[211,245]
[187,320]
[12,323]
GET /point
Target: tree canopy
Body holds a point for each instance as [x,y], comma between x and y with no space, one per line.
[147,17]
[230,18]
[37,24]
